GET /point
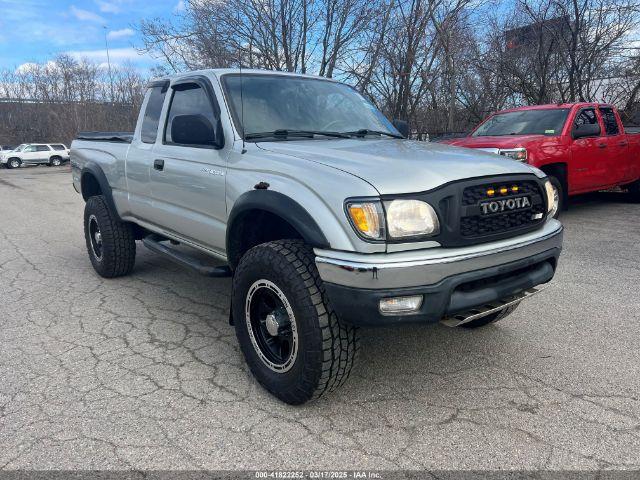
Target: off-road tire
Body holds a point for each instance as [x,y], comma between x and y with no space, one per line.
[494,317]
[118,252]
[327,347]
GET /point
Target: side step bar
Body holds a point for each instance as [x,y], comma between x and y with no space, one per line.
[153,243]
[487,309]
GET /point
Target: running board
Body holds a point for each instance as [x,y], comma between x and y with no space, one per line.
[488,308]
[153,243]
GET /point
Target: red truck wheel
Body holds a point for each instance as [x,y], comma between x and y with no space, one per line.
[558,195]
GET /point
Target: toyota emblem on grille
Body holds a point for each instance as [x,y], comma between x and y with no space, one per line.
[497,206]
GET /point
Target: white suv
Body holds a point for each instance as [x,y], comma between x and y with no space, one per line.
[51,154]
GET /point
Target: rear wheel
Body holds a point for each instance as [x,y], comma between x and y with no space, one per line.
[110,242]
[55,162]
[492,318]
[293,342]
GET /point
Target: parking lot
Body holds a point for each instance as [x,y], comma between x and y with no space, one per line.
[144,372]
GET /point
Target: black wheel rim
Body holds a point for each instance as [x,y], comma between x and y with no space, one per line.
[271,325]
[95,237]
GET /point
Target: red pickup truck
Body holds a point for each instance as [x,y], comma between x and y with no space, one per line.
[582,147]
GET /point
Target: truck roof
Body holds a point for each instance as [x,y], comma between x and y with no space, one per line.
[223,71]
[552,106]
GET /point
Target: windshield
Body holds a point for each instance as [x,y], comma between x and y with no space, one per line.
[287,103]
[524,122]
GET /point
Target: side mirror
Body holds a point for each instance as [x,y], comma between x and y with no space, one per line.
[586,130]
[193,130]
[402,126]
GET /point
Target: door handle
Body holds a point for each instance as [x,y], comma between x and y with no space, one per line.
[602,145]
[623,144]
[158,164]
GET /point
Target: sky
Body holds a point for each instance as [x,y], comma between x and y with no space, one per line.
[37,30]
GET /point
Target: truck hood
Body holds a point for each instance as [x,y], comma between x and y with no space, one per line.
[398,166]
[502,141]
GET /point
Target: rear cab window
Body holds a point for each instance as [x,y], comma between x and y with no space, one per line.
[610,121]
[153,110]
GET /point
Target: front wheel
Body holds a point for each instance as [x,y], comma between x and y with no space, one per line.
[14,163]
[293,342]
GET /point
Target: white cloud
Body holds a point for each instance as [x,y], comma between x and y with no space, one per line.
[116,55]
[119,34]
[85,15]
[108,7]
[26,67]
[181,6]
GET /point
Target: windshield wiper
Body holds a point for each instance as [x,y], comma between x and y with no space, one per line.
[365,131]
[294,133]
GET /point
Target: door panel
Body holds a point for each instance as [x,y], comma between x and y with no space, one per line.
[29,155]
[588,156]
[618,161]
[187,177]
[189,193]
[43,152]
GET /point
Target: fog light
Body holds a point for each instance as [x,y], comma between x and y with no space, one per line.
[400,305]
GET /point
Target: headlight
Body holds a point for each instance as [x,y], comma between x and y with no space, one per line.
[553,198]
[367,219]
[411,218]
[519,154]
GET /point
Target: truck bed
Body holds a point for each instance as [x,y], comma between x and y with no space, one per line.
[119,137]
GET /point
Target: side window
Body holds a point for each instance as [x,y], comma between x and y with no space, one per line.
[151,118]
[610,121]
[586,117]
[191,103]
[30,148]
[58,147]
[42,148]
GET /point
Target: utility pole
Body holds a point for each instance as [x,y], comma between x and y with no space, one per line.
[106,44]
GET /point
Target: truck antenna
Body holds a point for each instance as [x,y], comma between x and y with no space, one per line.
[244,150]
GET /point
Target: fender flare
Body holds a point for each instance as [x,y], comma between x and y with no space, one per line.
[282,206]
[96,172]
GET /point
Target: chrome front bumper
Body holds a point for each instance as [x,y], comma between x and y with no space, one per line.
[431,266]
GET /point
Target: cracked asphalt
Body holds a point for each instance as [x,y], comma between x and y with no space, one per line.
[144,372]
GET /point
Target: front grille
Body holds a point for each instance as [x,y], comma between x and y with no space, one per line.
[473,195]
[462,218]
[475,224]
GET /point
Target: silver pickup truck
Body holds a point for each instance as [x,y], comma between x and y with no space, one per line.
[324,214]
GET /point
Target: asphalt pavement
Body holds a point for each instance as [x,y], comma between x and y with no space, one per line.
[144,372]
